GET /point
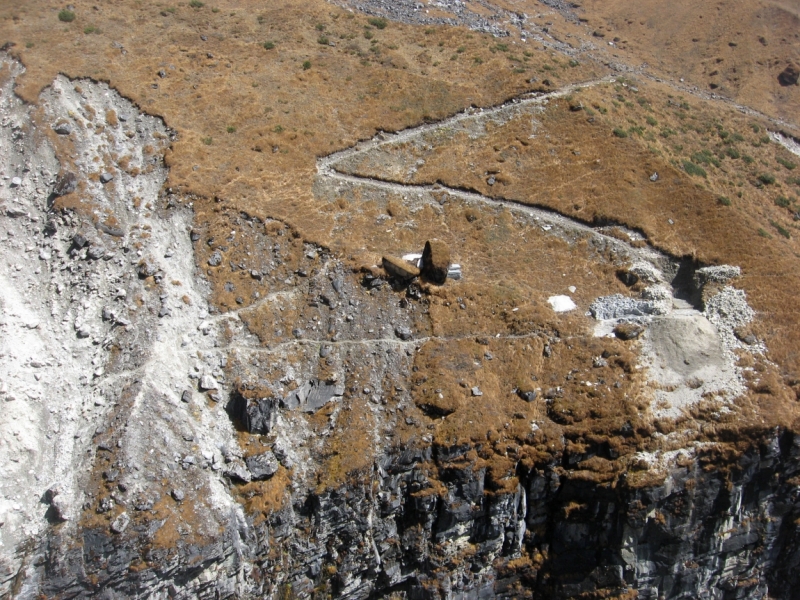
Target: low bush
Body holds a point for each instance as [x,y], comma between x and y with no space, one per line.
[782,201]
[693,169]
[766,178]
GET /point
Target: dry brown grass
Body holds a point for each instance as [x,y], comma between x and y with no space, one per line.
[347,94]
[736,49]
[577,166]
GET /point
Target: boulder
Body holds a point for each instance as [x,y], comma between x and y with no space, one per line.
[262,466]
[789,75]
[119,524]
[399,268]
[403,332]
[207,382]
[62,128]
[435,261]
[238,473]
[66,184]
[312,395]
[256,415]
[628,331]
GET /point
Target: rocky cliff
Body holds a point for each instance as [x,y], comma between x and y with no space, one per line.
[505,353]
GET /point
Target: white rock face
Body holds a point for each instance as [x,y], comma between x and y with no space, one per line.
[87,349]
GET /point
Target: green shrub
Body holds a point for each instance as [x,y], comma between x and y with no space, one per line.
[90,29]
[323,40]
[782,201]
[278,129]
[651,121]
[766,178]
[704,157]
[368,34]
[306,65]
[208,140]
[763,233]
[620,133]
[378,22]
[786,163]
[196,4]
[755,127]
[748,159]
[67,16]
[693,169]
[231,129]
[502,47]
[320,27]
[782,230]
[724,200]
[732,152]
[269,45]
[736,137]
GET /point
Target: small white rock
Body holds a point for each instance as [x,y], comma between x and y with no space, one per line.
[207,382]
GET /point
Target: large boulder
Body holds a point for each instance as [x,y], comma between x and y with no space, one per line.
[435,261]
[399,268]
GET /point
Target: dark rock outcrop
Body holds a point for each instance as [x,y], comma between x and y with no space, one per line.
[789,75]
[255,415]
[441,524]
